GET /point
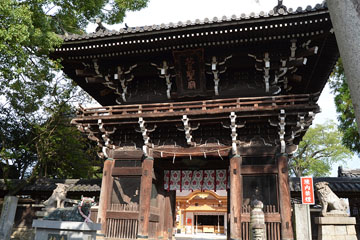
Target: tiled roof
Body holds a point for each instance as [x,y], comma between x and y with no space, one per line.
[76,185]
[353,173]
[337,184]
[197,22]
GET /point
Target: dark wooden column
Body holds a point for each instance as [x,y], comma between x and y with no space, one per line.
[161,204]
[105,193]
[235,197]
[284,198]
[145,196]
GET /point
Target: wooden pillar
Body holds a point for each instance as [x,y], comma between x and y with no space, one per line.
[167,213]
[145,196]
[170,203]
[235,197]
[105,193]
[161,204]
[284,198]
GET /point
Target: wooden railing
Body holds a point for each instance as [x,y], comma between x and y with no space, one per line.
[272,222]
[122,221]
[121,228]
[196,107]
[124,207]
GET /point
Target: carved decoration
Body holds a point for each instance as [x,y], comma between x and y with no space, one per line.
[215,70]
[124,76]
[283,70]
[165,73]
[265,67]
[117,84]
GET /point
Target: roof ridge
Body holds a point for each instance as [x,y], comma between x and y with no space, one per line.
[148,28]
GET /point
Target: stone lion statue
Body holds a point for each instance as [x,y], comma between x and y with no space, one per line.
[58,197]
[331,204]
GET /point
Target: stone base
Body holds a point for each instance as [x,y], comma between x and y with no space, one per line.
[46,229]
[336,228]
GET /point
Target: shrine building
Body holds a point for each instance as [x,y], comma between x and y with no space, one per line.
[200,106]
[201,212]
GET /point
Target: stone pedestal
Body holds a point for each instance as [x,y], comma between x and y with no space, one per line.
[46,230]
[336,228]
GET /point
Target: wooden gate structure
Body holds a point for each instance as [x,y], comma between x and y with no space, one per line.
[234,93]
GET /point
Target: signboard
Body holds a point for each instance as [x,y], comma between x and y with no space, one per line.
[190,74]
[307,190]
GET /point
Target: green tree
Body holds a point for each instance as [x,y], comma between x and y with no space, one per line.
[318,151]
[345,109]
[36,100]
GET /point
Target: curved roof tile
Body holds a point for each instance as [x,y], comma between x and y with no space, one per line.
[262,14]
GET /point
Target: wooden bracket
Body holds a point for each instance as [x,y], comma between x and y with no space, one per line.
[188,129]
[124,77]
[233,126]
[216,72]
[282,124]
[106,137]
[164,73]
[145,133]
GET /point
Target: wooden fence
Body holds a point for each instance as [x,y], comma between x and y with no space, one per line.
[122,221]
[272,222]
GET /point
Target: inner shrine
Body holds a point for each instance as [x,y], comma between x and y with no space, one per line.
[204,105]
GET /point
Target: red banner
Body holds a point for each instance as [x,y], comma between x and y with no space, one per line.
[307,190]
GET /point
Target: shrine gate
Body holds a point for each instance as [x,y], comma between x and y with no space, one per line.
[203,105]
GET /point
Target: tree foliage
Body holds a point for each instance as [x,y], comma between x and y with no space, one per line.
[318,151]
[36,100]
[345,109]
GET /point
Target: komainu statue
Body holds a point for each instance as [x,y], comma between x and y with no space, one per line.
[58,197]
[330,203]
[79,213]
